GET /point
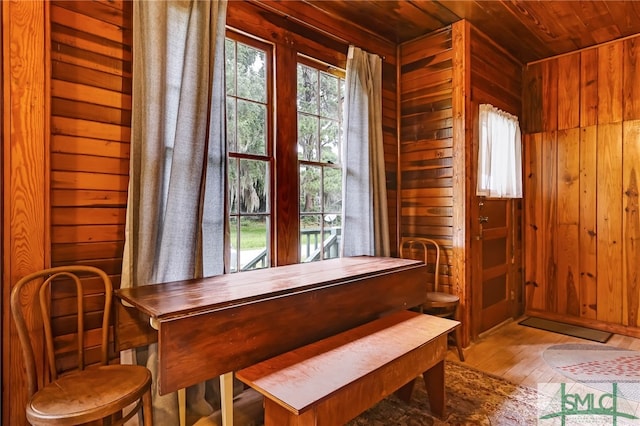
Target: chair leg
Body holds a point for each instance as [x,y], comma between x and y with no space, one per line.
[458,345]
[147,408]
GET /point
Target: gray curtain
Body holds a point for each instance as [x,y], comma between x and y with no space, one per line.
[365,215]
[176,207]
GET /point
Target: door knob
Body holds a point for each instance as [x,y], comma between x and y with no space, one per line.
[483,219]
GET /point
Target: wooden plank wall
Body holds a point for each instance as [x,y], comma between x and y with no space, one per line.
[582,124]
[427,146]
[91,67]
[86,166]
[426,143]
[25,140]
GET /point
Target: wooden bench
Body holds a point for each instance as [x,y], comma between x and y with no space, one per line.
[331,381]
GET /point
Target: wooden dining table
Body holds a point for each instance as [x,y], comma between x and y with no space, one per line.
[212,326]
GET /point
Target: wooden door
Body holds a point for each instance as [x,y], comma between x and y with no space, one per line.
[494,277]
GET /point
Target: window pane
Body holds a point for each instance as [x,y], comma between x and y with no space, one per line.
[332,190]
[329,141]
[251,73]
[252,119]
[310,239]
[253,181]
[320,106]
[230,66]
[307,137]
[309,189]
[231,124]
[232,173]
[249,119]
[329,96]
[254,232]
[307,89]
[332,234]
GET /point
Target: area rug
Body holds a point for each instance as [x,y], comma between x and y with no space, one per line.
[597,366]
[473,398]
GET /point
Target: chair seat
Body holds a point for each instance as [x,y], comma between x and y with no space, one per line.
[88,395]
[441,297]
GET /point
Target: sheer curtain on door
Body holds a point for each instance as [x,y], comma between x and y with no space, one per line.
[499,154]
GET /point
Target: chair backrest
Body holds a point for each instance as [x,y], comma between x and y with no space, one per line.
[35,290]
[412,247]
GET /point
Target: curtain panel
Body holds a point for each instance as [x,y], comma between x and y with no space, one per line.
[176,210]
[499,154]
[364,208]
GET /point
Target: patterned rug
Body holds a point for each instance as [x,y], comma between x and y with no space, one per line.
[597,366]
[473,398]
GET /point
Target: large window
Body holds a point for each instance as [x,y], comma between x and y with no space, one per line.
[306,196]
[249,118]
[319,107]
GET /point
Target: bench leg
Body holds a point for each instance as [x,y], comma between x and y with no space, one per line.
[434,383]
[404,393]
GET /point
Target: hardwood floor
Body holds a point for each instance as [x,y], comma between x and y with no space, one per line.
[514,352]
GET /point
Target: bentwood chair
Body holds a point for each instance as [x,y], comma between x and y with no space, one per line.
[437,303]
[63,392]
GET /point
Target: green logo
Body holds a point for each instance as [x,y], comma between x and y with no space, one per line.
[589,404]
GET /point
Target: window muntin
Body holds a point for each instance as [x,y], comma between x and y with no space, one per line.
[319,106]
[249,123]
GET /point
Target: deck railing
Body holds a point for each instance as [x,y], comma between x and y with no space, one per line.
[311,245]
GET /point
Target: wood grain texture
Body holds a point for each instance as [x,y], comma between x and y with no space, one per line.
[631,224]
[548,248]
[25,197]
[496,76]
[606,292]
[550,95]
[568,88]
[568,221]
[631,83]
[534,279]
[426,143]
[609,223]
[287,207]
[247,319]
[461,233]
[588,222]
[532,98]
[529,31]
[376,368]
[589,87]
[610,79]
[91,51]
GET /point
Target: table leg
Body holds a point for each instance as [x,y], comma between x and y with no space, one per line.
[182,406]
[226,398]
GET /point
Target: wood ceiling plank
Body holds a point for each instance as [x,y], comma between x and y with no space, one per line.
[528,30]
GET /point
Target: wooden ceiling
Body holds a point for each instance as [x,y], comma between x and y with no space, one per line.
[529,30]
